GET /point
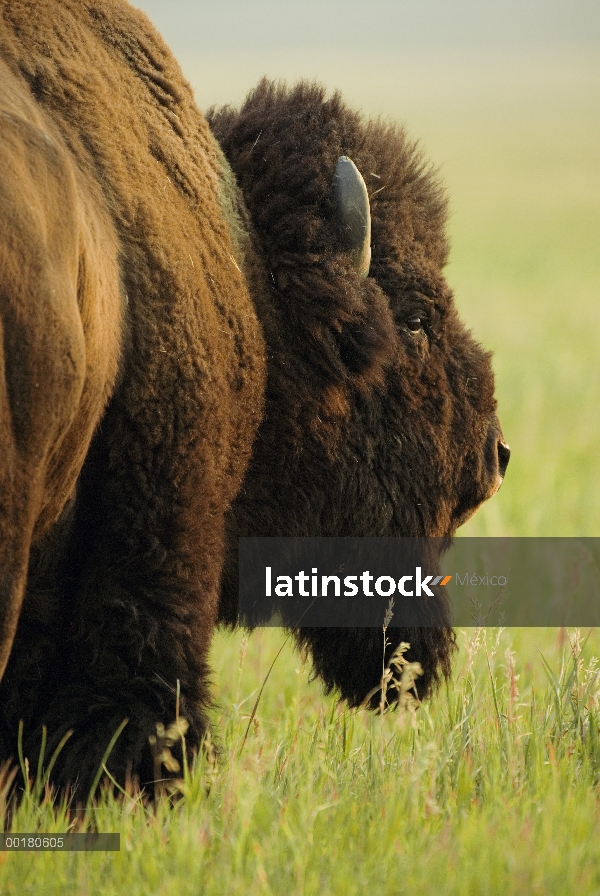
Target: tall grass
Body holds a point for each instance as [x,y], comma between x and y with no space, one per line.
[493,787]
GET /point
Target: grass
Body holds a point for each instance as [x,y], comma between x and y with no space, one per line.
[493,787]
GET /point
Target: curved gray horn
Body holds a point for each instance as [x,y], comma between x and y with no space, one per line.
[353,212]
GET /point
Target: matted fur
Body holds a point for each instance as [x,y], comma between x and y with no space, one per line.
[173,344]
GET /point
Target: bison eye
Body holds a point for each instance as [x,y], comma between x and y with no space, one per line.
[414,324]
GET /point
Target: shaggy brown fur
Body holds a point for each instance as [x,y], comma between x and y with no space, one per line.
[119,283]
[133,374]
[369,428]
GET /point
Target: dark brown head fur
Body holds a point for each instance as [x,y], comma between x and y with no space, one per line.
[372,425]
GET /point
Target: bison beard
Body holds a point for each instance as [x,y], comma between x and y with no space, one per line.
[191,353]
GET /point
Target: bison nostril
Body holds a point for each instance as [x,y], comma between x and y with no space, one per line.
[503,458]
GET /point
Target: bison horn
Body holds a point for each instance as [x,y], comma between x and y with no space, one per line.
[353,213]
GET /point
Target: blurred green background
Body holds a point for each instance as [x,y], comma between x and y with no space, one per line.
[505,98]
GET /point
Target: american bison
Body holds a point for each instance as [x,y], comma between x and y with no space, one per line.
[201,339]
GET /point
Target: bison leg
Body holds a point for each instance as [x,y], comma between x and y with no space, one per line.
[145,561]
[142,597]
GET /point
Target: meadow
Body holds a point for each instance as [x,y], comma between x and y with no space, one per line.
[494,786]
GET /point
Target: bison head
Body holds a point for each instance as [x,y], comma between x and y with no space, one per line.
[380,417]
